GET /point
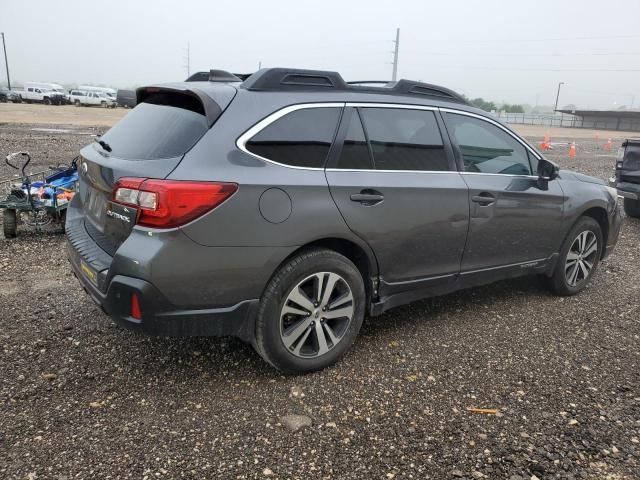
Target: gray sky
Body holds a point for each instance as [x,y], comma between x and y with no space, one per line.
[514,51]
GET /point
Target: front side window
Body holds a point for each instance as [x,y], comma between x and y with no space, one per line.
[404,139]
[486,148]
[301,138]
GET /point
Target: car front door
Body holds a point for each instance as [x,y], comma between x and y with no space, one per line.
[514,223]
[393,177]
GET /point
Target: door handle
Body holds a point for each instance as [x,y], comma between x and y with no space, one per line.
[367,197]
[484,199]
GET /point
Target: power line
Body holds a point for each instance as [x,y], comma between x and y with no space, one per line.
[447,54]
[549,39]
[507,69]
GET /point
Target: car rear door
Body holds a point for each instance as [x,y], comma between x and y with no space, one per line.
[393,178]
[514,223]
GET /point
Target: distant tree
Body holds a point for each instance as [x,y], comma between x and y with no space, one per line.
[508,108]
[484,104]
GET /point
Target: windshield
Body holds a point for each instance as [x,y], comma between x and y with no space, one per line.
[152,131]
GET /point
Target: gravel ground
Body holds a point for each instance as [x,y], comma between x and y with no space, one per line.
[82,398]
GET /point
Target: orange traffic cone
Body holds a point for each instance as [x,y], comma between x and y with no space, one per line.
[607,146]
[572,150]
[545,143]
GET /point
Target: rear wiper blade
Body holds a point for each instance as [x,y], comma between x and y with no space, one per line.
[103,144]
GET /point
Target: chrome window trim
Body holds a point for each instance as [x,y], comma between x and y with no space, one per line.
[268,120]
[534,177]
[371,170]
[242,140]
[497,124]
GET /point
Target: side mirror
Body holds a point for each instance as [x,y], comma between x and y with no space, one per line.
[547,171]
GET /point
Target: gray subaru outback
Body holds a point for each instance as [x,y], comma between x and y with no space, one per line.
[284,208]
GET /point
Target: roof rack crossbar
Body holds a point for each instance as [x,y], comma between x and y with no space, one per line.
[369,82]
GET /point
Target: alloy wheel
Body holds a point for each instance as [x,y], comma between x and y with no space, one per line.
[316,315]
[581,258]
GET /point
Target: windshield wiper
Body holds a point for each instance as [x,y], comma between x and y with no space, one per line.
[103,144]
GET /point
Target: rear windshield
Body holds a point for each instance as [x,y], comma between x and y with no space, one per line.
[153,131]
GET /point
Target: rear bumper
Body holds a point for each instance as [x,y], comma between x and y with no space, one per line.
[159,317]
[112,292]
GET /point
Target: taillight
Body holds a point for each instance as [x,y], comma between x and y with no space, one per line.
[136,311]
[170,203]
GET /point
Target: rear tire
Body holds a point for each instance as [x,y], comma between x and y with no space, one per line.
[47,101]
[315,330]
[10,223]
[579,258]
[632,207]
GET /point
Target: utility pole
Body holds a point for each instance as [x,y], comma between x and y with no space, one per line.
[260,65]
[188,59]
[6,61]
[394,76]
[557,97]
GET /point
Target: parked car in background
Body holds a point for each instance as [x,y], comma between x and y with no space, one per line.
[109,92]
[627,177]
[47,93]
[9,96]
[284,208]
[126,98]
[80,97]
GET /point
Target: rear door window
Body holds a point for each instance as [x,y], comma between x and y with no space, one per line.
[404,139]
[301,138]
[163,126]
[355,151]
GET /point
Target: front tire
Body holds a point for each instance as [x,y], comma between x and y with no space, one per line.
[579,258]
[632,207]
[311,312]
[10,223]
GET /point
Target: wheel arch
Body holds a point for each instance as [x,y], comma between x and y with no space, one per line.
[599,214]
[359,253]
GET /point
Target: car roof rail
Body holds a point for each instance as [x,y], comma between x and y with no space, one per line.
[214,75]
[294,79]
[411,87]
[288,79]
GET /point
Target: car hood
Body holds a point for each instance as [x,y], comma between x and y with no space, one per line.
[580,177]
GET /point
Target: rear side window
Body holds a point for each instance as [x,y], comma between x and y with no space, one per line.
[301,138]
[163,126]
[404,139]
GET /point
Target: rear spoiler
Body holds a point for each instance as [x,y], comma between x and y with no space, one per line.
[211,109]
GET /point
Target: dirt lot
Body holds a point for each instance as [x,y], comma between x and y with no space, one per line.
[82,398]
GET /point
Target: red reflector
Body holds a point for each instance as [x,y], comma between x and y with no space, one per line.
[172,203]
[135,307]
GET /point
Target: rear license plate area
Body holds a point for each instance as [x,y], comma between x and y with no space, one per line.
[119,221]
